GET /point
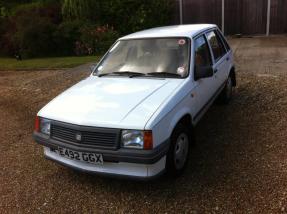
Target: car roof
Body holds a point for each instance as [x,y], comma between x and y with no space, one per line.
[171,31]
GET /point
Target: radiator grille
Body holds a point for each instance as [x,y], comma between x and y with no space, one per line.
[85,137]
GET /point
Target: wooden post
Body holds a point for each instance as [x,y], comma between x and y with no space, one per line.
[222,17]
[180,12]
[268,18]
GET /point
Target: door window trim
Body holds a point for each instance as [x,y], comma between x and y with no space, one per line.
[222,56]
[226,52]
[223,40]
[210,53]
[204,33]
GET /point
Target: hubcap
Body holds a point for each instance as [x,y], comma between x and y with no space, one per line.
[181,151]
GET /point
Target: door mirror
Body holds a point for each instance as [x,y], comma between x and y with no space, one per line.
[201,72]
[93,66]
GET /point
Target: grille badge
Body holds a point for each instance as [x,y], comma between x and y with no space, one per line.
[78,137]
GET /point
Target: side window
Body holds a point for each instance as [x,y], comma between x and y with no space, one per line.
[227,47]
[216,45]
[202,54]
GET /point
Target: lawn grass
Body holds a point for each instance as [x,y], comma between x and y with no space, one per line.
[45,63]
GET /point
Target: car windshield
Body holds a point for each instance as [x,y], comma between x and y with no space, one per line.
[168,57]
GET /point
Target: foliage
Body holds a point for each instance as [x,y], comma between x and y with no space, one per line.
[39,9]
[32,35]
[66,36]
[135,14]
[36,28]
[76,9]
[6,34]
[95,40]
[36,38]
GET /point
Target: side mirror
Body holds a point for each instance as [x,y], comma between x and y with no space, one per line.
[201,72]
[93,66]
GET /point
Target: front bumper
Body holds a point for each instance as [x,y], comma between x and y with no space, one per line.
[139,164]
[120,169]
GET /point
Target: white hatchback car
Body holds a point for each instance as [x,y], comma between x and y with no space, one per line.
[134,115]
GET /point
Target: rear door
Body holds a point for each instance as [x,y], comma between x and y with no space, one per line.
[220,58]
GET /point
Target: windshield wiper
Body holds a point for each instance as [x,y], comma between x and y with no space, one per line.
[122,73]
[163,74]
[132,74]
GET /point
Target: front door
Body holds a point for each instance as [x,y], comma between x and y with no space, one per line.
[205,87]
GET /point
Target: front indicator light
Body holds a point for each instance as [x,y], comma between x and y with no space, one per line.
[37,124]
[148,142]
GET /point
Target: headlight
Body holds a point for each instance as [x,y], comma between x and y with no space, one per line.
[45,126]
[132,139]
[137,139]
[42,125]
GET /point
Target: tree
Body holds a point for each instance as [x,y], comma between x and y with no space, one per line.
[124,15]
[76,9]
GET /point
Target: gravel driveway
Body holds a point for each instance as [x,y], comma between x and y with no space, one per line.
[239,164]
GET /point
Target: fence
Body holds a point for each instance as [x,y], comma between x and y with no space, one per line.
[236,16]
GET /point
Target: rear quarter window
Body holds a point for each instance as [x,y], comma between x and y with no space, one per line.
[227,47]
[216,44]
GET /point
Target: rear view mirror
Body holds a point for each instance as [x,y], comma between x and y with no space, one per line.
[202,72]
[93,66]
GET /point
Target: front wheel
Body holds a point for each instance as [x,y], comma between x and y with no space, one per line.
[178,154]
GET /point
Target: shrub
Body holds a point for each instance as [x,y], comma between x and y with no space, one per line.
[35,38]
[7,31]
[36,27]
[41,9]
[95,40]
[125,15]
[66,35]
[77,9]
[32,31]
[132,15]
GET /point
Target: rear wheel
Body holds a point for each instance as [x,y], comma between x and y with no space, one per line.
[178,154]
[226,94]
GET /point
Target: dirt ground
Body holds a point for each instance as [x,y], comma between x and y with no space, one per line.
[239,164]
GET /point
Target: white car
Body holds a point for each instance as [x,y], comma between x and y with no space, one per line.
[134,115]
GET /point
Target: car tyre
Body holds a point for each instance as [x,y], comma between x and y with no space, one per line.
[226,94]
[179,150]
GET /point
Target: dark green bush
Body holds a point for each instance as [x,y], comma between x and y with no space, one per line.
[36,28]
[66,35]
[125,15]
[34,38]
[7,31]
[133,15]
[32,29]
[95,40]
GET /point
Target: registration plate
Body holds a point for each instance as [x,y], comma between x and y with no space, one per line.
[81,156]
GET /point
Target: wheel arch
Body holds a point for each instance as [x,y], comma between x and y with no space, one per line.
[185,119]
